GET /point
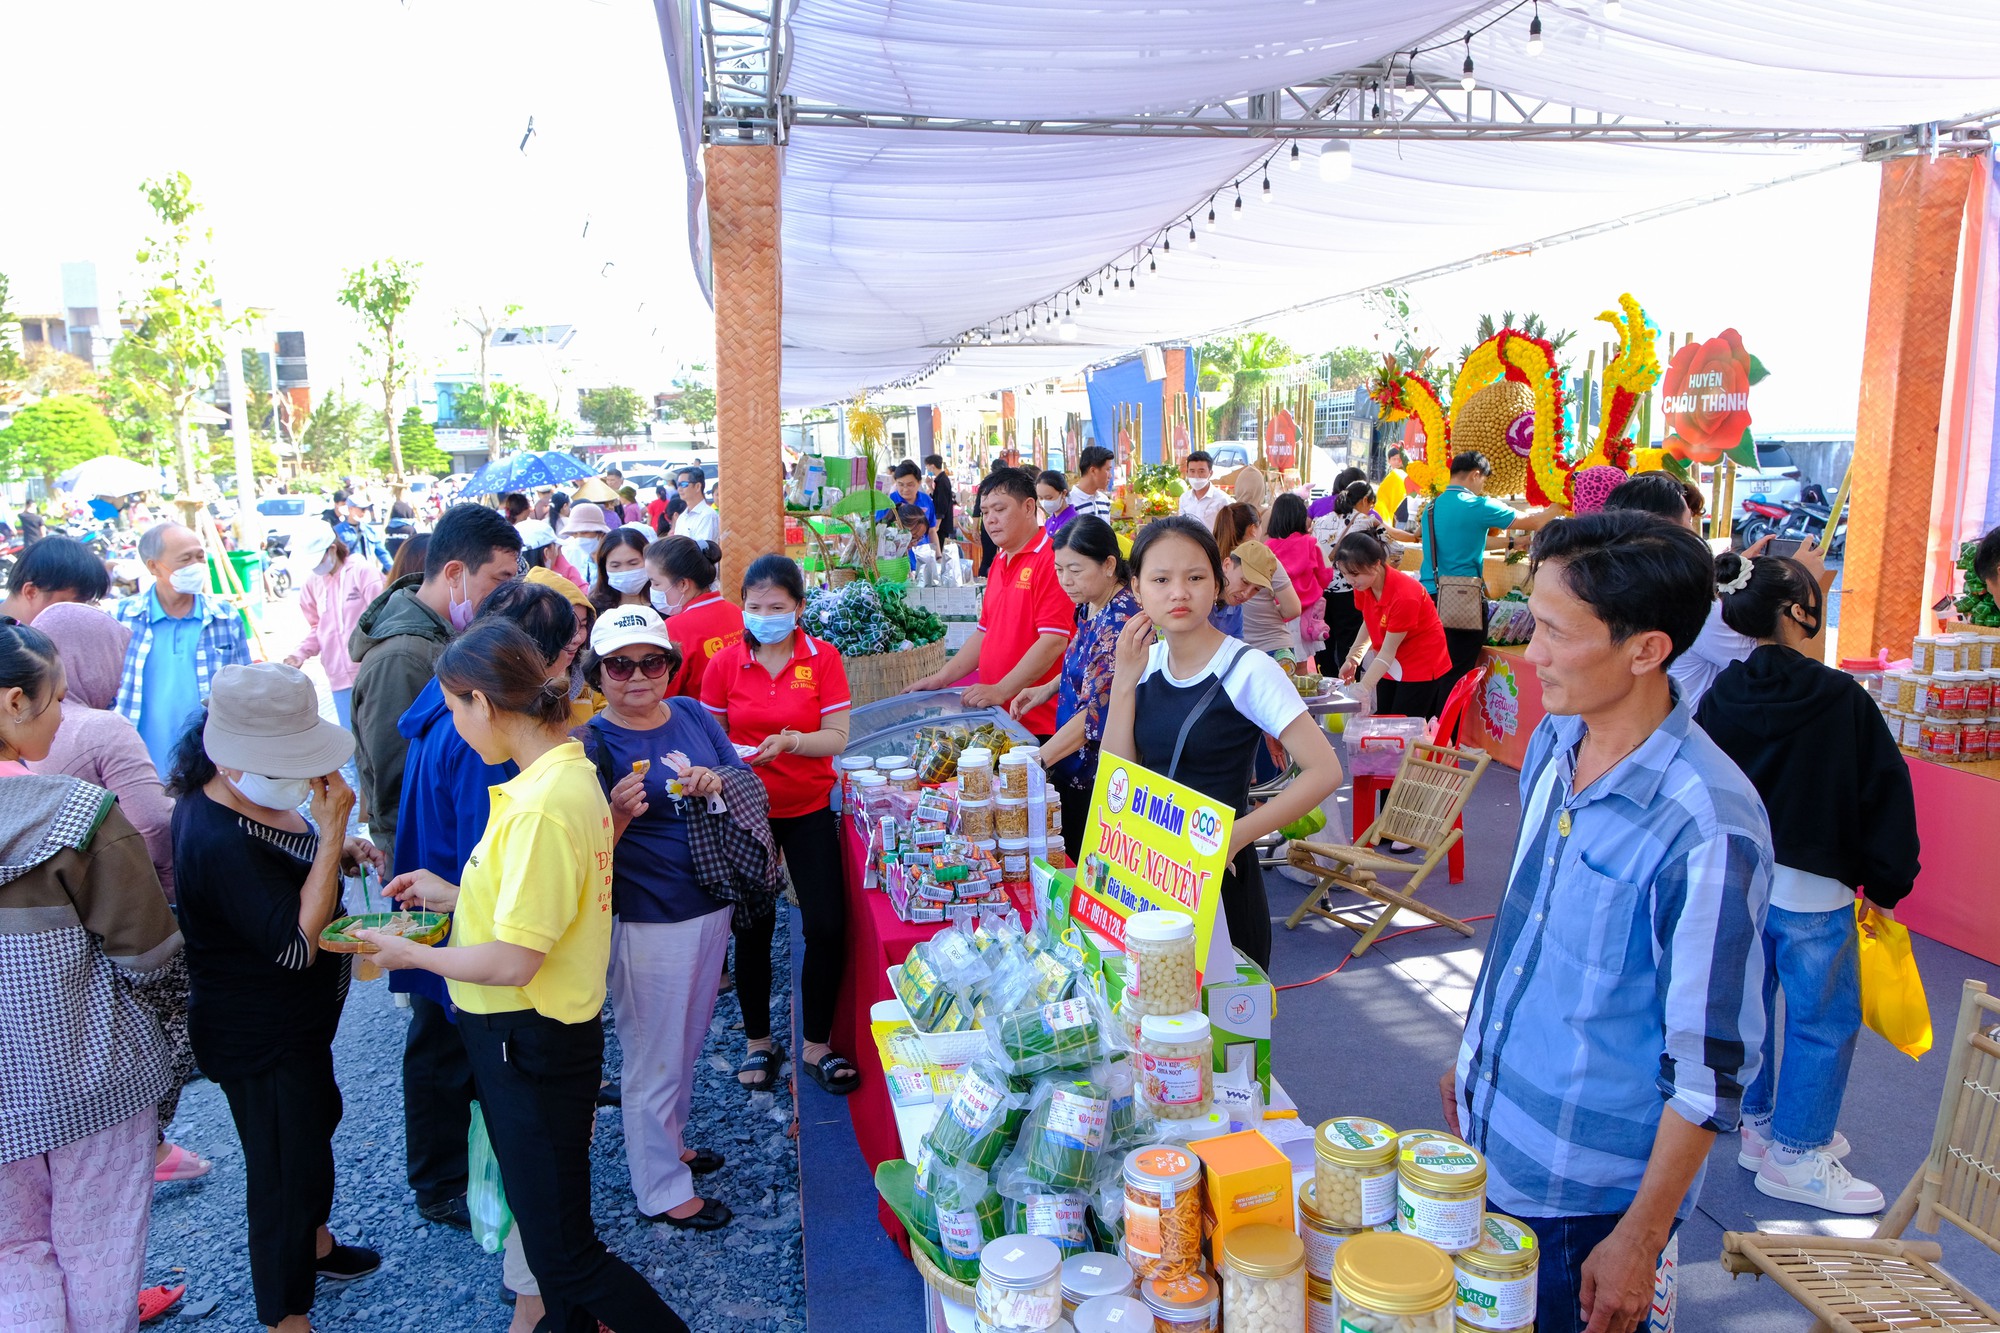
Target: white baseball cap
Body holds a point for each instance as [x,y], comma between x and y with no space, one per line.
[627,625]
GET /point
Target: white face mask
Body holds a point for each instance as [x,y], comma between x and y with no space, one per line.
[1200,484]
[628,580]
[1051,506]
[273,793]
[663,606]
[189,578]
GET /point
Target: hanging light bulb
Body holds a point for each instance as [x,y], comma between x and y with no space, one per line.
[1336,161]
[1410,72]
[1211,214]
[1267,180]
[1238,209]
[1152,266]
[1535,33]
[1066,330]
[1292,162]
[1466,79]
[1194,241]
[1613,8]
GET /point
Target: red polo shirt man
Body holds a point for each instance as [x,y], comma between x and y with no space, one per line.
[1025,619]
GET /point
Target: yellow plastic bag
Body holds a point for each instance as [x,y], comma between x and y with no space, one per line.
[1892,993]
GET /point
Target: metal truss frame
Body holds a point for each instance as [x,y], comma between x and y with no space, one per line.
[745,49]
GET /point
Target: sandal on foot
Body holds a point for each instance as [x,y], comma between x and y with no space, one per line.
[704,1161]
[765,1065]
[826,1070]
[156,1301]
[179,1164]
[714,1216]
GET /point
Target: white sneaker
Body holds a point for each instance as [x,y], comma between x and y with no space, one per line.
[1752,1146]
[1820,1181]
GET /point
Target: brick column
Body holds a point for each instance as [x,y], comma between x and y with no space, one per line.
[748,283]
[1918,221]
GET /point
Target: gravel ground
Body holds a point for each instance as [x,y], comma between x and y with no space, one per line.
[748,1276]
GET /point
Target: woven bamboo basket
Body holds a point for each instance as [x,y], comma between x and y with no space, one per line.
[943,1283]
[883,675]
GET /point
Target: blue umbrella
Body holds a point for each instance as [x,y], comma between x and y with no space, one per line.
[525,471]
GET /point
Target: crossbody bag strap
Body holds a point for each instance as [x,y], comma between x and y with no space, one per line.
[1201,706]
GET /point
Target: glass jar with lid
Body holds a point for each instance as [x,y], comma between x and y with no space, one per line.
[846,767]
[1176,1065]
[1162,1212]
[1322,1313]
[975,774]
[1012,775]
[1441,1192]
[1190,1303]
[889,763]
[1263,1280]
[1322,1238]
[1085,1277]
[1384,1282]
[1160,963]
[1354,1171]
[1020,1284]
[1923,653]
[1496,1278]
[1113,1314]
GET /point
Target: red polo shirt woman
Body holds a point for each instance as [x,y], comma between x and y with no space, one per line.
[700,621]
[1411,673]
[782,691]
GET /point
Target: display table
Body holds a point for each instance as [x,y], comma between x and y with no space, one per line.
[1507,708]
[1953,902]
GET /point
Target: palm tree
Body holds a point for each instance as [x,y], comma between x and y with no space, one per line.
[1241,366]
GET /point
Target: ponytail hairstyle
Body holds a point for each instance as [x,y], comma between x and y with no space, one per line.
[497,658]
[685,558]
[1352,495]
[1346,477]
[1774,583]
[1359,550]
[1232,525]
[548,617]
[1092,538]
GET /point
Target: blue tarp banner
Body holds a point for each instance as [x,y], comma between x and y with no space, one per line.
[1126,383]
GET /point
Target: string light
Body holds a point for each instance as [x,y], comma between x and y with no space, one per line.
[1535,31]
[1152,266]
[1466,79]
[1238,210]
[1194,241]
[1292,163]
[1613,8]
[1267,180]
[1410,72]
[1336,160]
[1066,330]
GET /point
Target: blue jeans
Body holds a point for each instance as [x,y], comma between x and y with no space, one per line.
[1816,957]
[1566,1242]
[343,708]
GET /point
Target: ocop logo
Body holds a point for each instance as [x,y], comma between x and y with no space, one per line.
[1205,830]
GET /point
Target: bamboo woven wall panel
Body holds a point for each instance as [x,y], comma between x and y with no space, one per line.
[743,225]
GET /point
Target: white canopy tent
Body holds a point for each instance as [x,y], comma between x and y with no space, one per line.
[959,173]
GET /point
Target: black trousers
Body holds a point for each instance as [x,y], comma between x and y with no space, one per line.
[1075,802]
[285,1116]
[537,1082]
[1343,622]
[1463,645]
[1246,907]
[811,844]
[1413,698]
[437,1103]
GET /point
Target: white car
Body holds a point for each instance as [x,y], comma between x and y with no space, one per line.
[287,517]
[1776,477]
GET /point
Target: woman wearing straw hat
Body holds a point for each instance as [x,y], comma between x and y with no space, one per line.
[258,882]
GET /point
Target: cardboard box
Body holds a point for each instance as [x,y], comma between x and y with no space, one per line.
[1241,1006]
[1245,1180]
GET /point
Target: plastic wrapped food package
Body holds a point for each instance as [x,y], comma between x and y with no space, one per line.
[1389,1283]
[1162,1187]
[1059,1217]
[1068,1034]
[1160,959]
[969,1215]
[1441,1192]
[1496,1278]
[1176,1065]
[979,1120]
[1190,1303]
[1354,1171]
[1064,1133]
[1263,1281]
[1020,1285]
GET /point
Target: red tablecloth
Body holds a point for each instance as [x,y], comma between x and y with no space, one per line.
[876,941]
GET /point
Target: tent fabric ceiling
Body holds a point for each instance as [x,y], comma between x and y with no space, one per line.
[897,241]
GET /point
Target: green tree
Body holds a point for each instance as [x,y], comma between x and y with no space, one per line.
[614,412]
[485,325]
[381,295]
[1347,367]
[420,446]
[494,408]
[340,430]
[176,347]
[52,436]
[696,404]
[221,458]
[11,368]
[1240,367]
[539,425]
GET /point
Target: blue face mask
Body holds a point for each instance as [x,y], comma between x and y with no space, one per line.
[770,629]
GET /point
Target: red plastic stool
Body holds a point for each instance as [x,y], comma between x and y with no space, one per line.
[1366,787]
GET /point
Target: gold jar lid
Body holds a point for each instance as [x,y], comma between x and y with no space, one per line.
[1352,1140]
[1505,1246]
[1443,1164]
[1259,1250]
[1391,1273]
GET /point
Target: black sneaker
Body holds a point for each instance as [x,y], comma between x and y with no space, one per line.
[344,1263]
[448,1213]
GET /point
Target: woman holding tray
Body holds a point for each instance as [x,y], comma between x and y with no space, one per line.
[258,883]
[530,947]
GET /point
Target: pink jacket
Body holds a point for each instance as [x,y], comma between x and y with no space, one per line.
[1303,560]
[331,604]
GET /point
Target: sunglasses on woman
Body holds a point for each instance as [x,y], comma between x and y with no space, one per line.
[652,665]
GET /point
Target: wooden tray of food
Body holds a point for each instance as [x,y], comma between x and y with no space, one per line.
[416,927]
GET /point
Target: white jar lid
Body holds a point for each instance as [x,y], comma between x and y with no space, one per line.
[1159,927]
[1015,758]
[855,762]
[902,774]
[976,757]
[1013,844]
[891,761]
[869,777]
[1174,1029]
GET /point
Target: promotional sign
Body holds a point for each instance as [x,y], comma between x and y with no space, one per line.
[1125,451]
[1152,845]
[1283,450]
[1706,398]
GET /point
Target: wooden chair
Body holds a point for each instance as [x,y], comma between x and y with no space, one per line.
[1424,805]
[1885,1282]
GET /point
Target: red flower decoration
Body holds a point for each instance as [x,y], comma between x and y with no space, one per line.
[1707,397]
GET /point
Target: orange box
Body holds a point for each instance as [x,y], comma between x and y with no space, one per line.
[1246,1180]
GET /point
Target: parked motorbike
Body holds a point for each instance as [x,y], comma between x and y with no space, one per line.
[1804,521]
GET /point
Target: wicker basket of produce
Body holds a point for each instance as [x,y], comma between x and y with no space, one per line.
[882,675]
[886,643]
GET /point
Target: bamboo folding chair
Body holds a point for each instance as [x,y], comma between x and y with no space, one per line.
[1424,805]
[1885,1282]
